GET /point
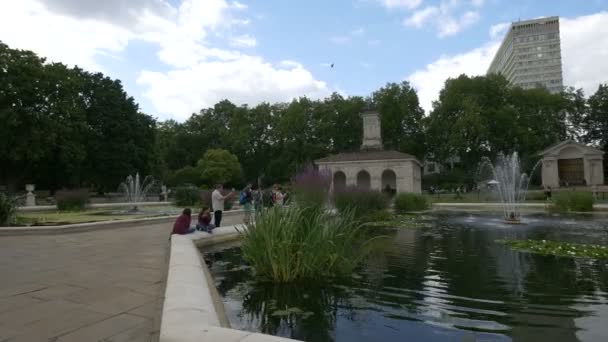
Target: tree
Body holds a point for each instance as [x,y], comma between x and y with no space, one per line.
[595,123]
[120,139]
[482,116]
[219,166]
[401,117]
[26,132]
[64,127]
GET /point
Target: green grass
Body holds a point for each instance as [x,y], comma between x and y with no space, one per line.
[547,247]
[291,244]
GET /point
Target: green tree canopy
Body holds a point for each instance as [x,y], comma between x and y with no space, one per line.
[64,126]
[481,116]
[219,166]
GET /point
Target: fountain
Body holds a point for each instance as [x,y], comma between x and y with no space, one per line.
[511,183]
[134,190]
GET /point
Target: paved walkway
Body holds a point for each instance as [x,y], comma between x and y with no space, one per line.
[101,285]
[104,285]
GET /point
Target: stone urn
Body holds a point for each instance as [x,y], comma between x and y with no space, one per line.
[30,197]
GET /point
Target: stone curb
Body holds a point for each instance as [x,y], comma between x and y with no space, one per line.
[93,205]
[190,313]
[88,226]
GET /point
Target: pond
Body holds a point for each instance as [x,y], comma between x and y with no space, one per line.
[445,280]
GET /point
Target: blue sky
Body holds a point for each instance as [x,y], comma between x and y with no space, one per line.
[177,56]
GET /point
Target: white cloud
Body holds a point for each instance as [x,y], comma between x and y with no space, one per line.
[430,80]
[245,80]
[584,43]
[373,42]
[199,74]
[408,4]
[239,5]
[444,17]
[27,24]
[244,40]
[419,18]
[477,3]
[449,26]
[584,59]
[499,30]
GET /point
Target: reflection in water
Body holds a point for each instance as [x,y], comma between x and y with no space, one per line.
[446,282]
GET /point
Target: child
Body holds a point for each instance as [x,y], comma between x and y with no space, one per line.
[204,221]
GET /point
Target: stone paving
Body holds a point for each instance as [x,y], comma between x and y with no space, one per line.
[105,285]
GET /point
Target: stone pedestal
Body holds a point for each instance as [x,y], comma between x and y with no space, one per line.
[30,198]
[163,193]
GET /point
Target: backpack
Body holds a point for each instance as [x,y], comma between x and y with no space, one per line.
[242,197]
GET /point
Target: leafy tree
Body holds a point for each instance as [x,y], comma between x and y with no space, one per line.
[66,127]
[120,138]
[595,123]
[26,132]
[185,175]
[478,117]
[219,166]
[401,117]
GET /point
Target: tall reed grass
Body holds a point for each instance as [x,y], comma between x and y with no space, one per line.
[289,244]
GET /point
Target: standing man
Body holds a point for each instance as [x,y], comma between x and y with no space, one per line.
[217,203]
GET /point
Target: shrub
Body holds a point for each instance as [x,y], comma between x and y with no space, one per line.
[7,209]
[566,201]
[536,196]
[187,196]
[288,244]
[311,186]
[361,202]
[185,175]
[405,202]
[72,200]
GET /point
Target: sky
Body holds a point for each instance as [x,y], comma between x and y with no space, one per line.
[178,56]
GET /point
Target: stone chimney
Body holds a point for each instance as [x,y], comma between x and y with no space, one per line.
[372,136]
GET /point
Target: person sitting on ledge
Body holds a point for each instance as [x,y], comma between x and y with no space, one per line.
[204,221]
[182,224]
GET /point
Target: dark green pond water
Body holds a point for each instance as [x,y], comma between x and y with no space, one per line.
[446,280]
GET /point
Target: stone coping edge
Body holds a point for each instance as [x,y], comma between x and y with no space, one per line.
[88,226]
[94,205]
[190,313]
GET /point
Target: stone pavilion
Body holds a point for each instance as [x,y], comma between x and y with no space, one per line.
[372,167]
[570,163]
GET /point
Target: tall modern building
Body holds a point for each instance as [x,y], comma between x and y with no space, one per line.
[530,55]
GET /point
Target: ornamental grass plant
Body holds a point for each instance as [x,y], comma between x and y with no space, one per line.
[290,244]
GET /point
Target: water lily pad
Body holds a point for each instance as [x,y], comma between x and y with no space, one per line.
[547,247]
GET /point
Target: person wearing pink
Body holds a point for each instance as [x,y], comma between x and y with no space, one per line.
[182,224]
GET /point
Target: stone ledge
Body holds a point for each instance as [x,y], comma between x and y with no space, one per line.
[93,205]
[82,227]
[190,313]
[88,226]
